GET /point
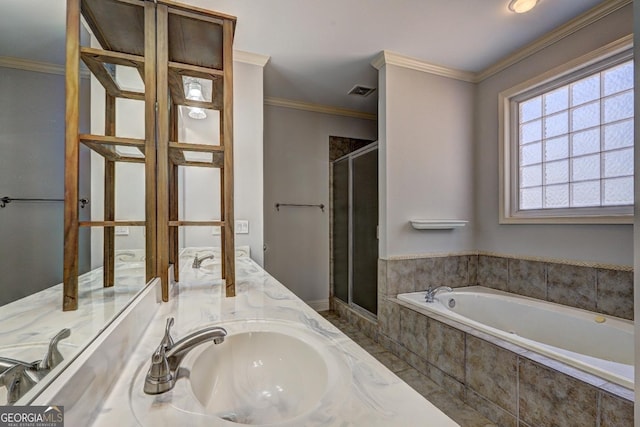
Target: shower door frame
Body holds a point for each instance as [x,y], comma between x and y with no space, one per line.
[349,157]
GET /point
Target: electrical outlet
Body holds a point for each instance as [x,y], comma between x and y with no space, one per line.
[242,226]
[122,231]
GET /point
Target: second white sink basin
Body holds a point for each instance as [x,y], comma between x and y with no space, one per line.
[259,377]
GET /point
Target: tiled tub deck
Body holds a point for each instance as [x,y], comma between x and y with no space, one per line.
[509,385]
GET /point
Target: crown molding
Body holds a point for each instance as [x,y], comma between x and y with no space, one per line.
[250,58]
[387,57]
[593,15]
[28,65]
[38,67]
[565,30]
[318,108]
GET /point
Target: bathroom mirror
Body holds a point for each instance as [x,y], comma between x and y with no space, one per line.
[32,127]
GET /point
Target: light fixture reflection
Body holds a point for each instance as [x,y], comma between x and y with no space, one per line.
[522,6]
[194,92]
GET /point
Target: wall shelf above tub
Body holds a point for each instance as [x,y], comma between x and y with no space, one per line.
[437,224]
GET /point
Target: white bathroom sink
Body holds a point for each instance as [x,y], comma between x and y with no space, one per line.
[260,377]
[265,372]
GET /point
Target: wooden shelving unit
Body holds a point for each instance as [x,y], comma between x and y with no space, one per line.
[165,42]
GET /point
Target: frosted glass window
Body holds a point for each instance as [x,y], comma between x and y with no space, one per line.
[618,79]
[531,176]
[585,90]
[556,148]
[531,109]
[618,107]
[556,196]
[556,172]
[587,167]
[556,124]
[618,163]
[618,191]
[586,142]
[531,131]
[585,193]
[586,116]
[530,154]
[575,141]
[557,100]
[618,135]
[531,198]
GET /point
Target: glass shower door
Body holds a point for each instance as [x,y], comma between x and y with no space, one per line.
[355,222]
[364,218]
[341,229]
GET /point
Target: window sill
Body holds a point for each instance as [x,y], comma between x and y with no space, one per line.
[605,219]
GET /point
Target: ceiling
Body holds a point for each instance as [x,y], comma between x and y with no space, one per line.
[320,49]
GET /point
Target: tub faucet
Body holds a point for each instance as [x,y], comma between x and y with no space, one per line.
[19,377]
[198,261]
[431,292]
[165,361]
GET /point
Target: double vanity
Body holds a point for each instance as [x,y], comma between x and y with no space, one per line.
[261,358]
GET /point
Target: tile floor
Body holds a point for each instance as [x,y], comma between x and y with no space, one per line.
[453,407]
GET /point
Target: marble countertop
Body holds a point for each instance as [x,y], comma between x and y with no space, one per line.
[29,323]
[367,393]
[38,317]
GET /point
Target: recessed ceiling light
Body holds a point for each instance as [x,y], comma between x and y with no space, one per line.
[522,6]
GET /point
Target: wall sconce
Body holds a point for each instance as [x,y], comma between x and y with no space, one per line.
[522,6]
[193,90]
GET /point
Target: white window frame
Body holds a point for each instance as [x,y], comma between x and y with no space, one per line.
[509,211]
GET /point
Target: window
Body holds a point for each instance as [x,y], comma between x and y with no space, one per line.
[568,144]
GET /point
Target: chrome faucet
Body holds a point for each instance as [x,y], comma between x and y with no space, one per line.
[198,261]
[431,293]
[19,377]
[165,361]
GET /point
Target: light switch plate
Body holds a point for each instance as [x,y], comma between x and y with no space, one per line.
[242,226]
[215,231]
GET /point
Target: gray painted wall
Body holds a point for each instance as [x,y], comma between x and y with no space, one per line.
[426,164]
[32,166]
[248,113]
[296,170]
[599,243]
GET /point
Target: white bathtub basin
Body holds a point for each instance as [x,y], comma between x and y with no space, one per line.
[261,377]
[595,343]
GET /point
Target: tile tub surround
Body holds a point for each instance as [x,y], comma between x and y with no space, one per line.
[374,395]
[604,289]
[508,384]
[492,369]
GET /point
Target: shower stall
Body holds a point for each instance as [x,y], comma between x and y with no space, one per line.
[355,229]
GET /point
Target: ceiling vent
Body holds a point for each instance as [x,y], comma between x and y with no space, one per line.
[362,90]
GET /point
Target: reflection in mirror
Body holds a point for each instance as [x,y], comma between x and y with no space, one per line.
[32,128]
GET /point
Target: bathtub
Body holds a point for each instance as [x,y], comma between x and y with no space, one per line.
[599,344]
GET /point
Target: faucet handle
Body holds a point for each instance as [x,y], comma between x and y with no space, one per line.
[53,357]
[159,378]
[17,382]
[167,341]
